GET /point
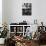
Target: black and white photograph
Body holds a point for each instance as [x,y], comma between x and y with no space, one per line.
[26,9]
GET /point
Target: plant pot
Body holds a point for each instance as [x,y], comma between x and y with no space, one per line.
[2,40]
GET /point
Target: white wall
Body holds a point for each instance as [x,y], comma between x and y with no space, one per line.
[13,11]
[4,11]
[0,13]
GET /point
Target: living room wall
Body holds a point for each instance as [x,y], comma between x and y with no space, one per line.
[12,11]
[0,13]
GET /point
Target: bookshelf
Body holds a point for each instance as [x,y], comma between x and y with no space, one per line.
[18,29]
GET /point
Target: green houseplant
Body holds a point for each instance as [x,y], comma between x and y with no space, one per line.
[4,32]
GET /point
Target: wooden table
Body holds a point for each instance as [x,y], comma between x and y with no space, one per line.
[23,42]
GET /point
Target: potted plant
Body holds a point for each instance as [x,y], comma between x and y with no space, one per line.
[3,34]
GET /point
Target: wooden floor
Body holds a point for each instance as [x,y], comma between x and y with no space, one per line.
[1,45]
[32,45]
[42,45]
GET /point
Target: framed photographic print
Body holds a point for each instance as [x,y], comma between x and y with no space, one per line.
[26,9]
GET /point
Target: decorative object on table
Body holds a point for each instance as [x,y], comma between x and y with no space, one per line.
[29,37]
[28,33]
[41,28]
[23,23]
[35,21]
[26,9]
[42,23]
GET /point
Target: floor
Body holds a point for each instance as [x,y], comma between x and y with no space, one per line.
[33,45]
[42,45]
[36,44]
[1,45]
